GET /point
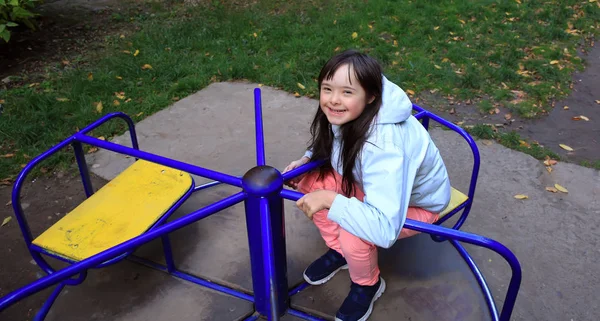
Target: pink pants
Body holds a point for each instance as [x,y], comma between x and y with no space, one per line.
[361,255]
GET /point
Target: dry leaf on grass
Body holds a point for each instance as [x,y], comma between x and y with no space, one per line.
[354,35]
[301,86]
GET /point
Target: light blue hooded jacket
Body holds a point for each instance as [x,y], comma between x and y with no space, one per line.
[399,166]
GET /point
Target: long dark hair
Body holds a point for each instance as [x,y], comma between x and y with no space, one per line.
[354,133]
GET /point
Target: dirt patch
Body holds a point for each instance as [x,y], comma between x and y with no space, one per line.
[557,127]
[45,201]
[67,29]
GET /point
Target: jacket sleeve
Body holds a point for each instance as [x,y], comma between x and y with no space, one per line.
[387,177]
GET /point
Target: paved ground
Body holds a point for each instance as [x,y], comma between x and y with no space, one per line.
[553,234]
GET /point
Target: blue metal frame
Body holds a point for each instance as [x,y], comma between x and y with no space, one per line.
[263,194]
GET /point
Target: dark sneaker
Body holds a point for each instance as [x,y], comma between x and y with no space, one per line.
[359,303]
[325,267]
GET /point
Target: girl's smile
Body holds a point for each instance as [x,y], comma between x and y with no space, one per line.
[342,99]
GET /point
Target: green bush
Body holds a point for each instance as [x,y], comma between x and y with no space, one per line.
[13,13]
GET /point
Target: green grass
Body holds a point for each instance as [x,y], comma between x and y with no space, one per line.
[463,49]
[512,140]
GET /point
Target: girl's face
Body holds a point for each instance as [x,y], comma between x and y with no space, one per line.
[342,98]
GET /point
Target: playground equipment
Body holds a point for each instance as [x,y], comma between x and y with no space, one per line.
[80,240]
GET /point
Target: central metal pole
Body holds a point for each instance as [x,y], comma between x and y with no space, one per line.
[266,240]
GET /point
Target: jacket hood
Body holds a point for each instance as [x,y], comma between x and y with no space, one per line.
[395,107]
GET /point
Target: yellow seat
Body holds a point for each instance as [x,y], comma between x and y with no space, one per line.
[456,199]
[124,208]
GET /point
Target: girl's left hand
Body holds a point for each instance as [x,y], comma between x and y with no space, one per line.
[316,201]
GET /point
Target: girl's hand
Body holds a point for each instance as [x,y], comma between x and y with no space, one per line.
[316,201]
[295,164]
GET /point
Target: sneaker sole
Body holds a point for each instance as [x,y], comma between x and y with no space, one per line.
[325,279]
[375,297]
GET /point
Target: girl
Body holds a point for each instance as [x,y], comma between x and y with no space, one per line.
[381,168]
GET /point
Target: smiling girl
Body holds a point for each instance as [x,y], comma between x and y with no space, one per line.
[381,168]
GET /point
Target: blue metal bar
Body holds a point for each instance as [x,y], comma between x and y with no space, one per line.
[301,170]
[458,235]
[476,159]
[41,315]
[83,169]
[489,299]
[258,124]
[191,278]
[269,260]
[63,274]
[266,240]
[302,315]
[192,169]
[515,280]
[205,186]
[166,243]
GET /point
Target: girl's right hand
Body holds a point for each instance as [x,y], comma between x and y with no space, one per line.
[293,183]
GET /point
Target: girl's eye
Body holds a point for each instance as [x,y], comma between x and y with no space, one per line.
[326,89]
[347,92]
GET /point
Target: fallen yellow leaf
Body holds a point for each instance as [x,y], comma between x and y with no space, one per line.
[90,76]
[99,106]
[126,51]
[521,196]
[119,78]
[566,108]
[101,138]
[122,36]
[437,67]
[598,102]
[137,52]
[7,155]
[34,84]
[116,102]
[395,43]
[62,100]
[518,1]
[560,188]
[552,189]
[120,95]
[301,86]
[139,114]
[93,150]
[296,94]
[410,92]
[146,66]
[436,27]
[487,142]
[549,169]
[550,162]
[6,220]
[462,21]
[565,147]
[554,62]
[128,100]
[354,35]
[584,118]
[255,35]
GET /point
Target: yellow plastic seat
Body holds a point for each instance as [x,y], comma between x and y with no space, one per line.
[124,208]
[456,199]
